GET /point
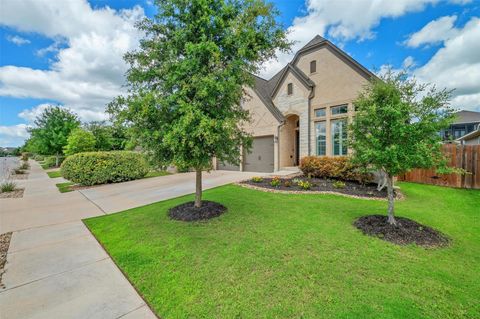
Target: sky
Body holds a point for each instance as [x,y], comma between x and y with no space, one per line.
[69,53]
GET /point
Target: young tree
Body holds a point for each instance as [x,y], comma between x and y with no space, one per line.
[52,129]
[79,141]
[186,81]
[396,127]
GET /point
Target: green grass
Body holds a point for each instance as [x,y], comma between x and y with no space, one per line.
[298,256]
[64,187]
[54,174]
[156,174]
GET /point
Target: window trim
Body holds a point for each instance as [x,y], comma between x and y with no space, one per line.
[290,88]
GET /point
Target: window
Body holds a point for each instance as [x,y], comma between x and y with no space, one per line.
[321,134]
[313,66]
[339,109]
[320,112]
[339,136]
[289,88]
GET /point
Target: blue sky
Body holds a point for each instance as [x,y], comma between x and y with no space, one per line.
[69,53]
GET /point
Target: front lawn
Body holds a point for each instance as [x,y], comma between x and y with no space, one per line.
[298,256]
[54,174]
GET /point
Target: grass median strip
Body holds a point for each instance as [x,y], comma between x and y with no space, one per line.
[54,174]
[65,187]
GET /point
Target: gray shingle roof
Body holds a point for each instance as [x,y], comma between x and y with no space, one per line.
[467,117]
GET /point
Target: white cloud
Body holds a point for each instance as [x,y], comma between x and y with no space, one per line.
[409,62]
[17,40]
[457,66]
[342,21]
[88,69]
[13,135]
[434,32]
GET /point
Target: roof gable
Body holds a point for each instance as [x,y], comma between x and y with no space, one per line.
[305,80]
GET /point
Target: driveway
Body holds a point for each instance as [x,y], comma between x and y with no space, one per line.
[55,267]
[117,197]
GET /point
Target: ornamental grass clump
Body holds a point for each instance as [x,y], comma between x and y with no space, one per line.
[275,182]
[257,179]
[305,185]
[93,168]
[338,184]
[8,186]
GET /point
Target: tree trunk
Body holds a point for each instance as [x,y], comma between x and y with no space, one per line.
[57,159]
[391,199]
[198,188]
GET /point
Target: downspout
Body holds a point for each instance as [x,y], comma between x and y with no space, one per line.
[282,123]
[310,97]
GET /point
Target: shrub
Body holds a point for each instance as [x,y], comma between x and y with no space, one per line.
[50,161]
[24,166]
[287,183]
[338,184]
[38,157]
[8,186]
[337,167]
[306,185]
[25,156]
[92,168]
[275,182]
[257,179]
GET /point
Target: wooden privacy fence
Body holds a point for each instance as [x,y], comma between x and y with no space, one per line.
[461,156]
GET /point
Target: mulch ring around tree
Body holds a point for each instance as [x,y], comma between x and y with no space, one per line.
[319,185]
[187,212]
[4,244]
[405,232]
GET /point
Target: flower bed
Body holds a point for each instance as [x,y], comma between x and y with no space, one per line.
[304,184]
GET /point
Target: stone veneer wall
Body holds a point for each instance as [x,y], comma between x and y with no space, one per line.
[297,104]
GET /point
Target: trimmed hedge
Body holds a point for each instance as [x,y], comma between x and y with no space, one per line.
[92,168]
[335,167]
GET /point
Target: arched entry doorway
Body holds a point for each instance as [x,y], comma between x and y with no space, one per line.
[290,142]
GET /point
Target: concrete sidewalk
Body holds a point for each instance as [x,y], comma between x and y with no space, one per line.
[55,267]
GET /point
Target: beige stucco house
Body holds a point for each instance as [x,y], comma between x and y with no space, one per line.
[303,109]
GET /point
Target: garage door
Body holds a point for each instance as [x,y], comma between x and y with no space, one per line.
[260,158]
[227,166]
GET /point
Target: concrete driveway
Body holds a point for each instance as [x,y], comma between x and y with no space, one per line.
[55,267]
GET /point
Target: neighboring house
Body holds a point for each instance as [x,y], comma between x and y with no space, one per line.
[465,122]
[303,109]
[472,138]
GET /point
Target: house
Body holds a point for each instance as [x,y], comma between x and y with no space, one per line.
[303,109]
[465,122]
[472,138]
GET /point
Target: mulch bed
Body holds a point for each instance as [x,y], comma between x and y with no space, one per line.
[4,244]
[18,193]
[187,212]
[321,185]
[20,176]
[405,232]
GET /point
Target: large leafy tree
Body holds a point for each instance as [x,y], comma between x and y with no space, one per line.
[186,81]
[396,127]
[52,129]
[79,141]
[108,137]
